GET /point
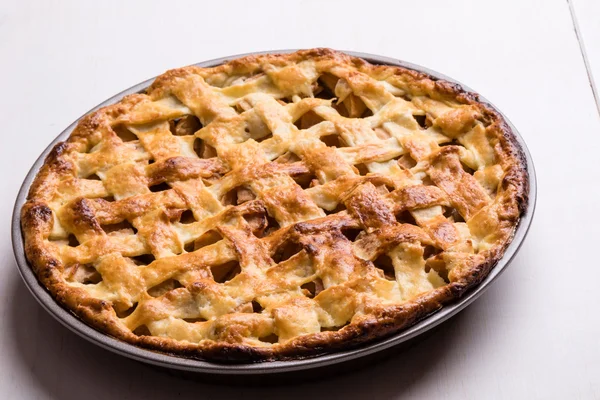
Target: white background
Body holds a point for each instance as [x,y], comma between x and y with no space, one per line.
[534,334]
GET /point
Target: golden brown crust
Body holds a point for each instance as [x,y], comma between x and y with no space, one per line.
[274,176]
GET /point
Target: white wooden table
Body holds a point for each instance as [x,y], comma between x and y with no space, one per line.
[534,334]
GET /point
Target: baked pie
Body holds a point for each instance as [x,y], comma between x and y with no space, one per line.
[275,207]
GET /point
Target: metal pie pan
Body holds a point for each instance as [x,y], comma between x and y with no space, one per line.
[335,360]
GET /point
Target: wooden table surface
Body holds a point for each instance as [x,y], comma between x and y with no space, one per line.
[534,334]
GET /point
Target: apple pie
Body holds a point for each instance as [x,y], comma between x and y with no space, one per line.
[275,207]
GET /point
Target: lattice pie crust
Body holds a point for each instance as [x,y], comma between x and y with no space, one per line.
[275,207]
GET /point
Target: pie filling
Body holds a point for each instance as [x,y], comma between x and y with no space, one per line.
[282,205]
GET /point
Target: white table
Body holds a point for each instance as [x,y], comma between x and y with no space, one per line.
[534,334]
[585,13]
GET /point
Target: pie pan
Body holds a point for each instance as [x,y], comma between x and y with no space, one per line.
[328,361]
